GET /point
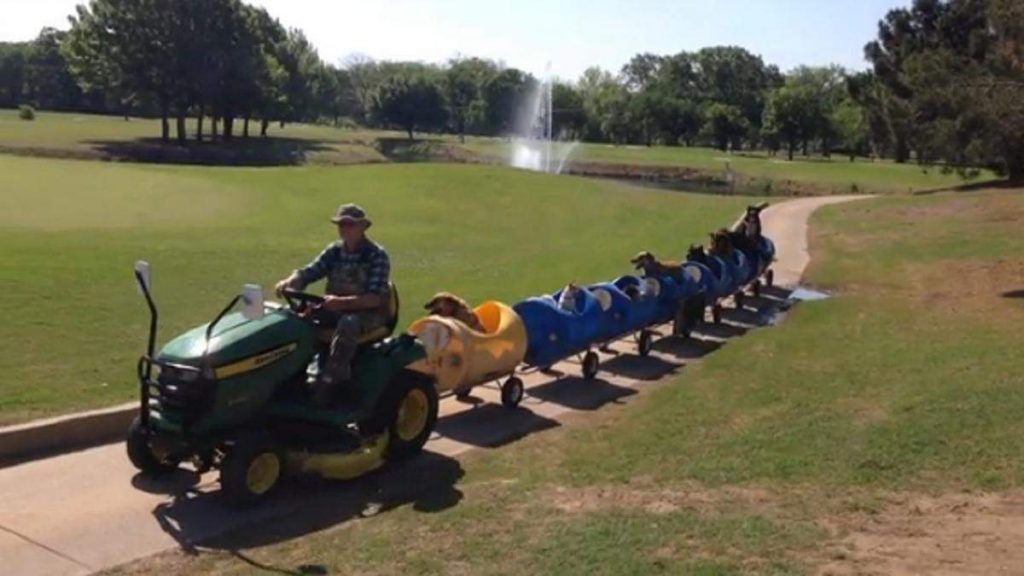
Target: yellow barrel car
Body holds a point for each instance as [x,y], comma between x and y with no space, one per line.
[460,358]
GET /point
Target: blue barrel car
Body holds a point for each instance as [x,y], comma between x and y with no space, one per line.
[717,277]
[766,255]
[616,317]
[555,334]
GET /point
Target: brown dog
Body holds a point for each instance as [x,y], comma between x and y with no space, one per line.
[448,305]
[651,266]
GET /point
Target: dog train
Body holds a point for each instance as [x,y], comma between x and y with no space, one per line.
[494,341]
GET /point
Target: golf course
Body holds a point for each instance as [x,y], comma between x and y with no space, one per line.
[787,449]
[534,288]
[873,432]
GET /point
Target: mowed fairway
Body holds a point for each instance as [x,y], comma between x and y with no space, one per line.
[70,231]
[836,175]
[877,432]
[93,136]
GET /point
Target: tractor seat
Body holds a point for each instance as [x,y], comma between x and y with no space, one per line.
[377,334]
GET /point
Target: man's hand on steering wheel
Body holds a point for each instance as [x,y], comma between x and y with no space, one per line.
[302,303]
[293,282]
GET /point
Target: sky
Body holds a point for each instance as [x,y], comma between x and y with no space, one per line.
[567,35]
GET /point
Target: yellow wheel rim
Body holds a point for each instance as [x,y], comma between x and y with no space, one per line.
[263,473]
[412,415]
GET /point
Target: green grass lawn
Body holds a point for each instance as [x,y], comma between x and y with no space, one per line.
[111,137]
[763,458]
[71,230]
[95,136]
[835,175]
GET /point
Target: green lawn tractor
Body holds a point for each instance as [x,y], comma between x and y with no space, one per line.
[234,395]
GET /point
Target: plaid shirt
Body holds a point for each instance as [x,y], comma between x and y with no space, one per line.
[365,271]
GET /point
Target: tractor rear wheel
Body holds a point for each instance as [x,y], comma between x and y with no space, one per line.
[140,453]
[252,468]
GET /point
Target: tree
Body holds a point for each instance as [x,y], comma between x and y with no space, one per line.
[410,102]
[615,113]
[851,127]
[791,115]
[725,124]
[734,77]
[12,73]
[128,44]
[504,94]
[954,68]
[568,116]
[48,82]
[823,89]
[364,76]
[464,82]
[335,96]
[865,90]
[642,71]
[601,94]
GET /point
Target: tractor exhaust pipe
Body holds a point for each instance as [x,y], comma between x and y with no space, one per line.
[143,279]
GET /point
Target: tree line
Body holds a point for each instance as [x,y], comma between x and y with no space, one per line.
[945,85]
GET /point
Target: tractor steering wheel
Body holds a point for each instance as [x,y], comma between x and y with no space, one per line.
[299,301]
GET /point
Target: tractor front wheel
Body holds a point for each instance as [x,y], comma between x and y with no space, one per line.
[140,453]
[252,468]
[407,412]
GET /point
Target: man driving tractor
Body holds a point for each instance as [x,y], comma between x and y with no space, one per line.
[356,298]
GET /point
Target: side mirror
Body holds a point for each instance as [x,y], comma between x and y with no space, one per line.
[252,302]
[142,277]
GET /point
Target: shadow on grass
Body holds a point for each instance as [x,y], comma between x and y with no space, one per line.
[688,349]
[993,184]
[423,150]
[1014,294]
[276,151]
[306,504]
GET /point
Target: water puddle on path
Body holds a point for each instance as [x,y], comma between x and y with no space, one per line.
[772,315]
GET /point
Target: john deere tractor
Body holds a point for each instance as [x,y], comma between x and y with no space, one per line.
[234,395]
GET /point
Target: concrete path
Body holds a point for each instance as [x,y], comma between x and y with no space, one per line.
[786,224]
[87,511]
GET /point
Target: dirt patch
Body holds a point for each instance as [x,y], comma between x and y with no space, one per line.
[989,208]
[645,496]
[969,287]
[960,534]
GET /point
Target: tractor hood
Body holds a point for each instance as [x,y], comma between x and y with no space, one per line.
[239,344]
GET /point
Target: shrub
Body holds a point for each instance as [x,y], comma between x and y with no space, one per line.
[26,112]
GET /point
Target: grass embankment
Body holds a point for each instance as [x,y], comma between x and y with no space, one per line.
[852,439]
[106,137]
[70,231]
[756,171]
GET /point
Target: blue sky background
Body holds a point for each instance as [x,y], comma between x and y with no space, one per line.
[570,34]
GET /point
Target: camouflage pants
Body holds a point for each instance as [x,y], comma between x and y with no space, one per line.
[348,329]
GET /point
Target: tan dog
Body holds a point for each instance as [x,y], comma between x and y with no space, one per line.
[448,305]
[567,299]
[653,267]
